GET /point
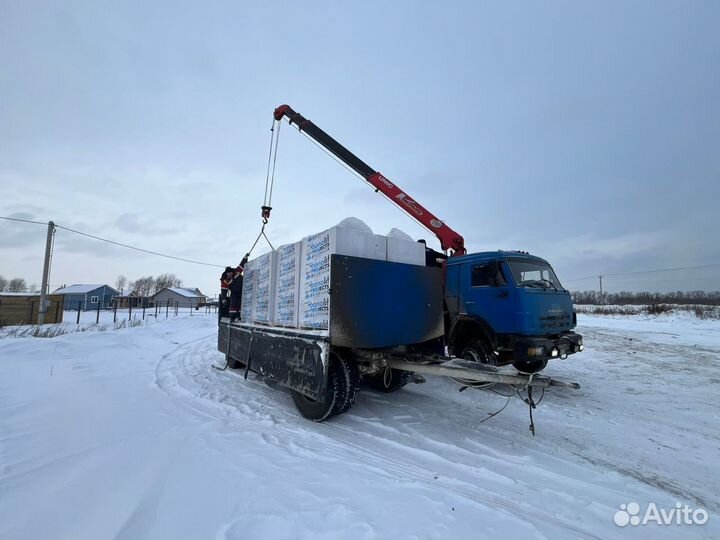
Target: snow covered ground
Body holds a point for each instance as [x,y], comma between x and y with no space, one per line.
[130,434]
[92,321]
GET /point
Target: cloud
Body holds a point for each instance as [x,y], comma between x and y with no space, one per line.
[141,224]
[67,242]
[15,234]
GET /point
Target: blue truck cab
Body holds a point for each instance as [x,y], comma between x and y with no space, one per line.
[508,307]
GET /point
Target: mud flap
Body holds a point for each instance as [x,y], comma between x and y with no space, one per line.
[294,360]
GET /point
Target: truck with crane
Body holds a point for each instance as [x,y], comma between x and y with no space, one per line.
[462,315]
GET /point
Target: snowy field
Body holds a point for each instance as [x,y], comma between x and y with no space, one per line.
[129,433]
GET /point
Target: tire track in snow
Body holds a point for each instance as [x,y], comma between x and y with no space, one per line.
[185,375]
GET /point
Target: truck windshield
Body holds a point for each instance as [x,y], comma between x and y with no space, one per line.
[530,273]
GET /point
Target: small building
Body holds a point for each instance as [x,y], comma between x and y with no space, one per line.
[23,308]
[87,297]
[134,302]
[179,296]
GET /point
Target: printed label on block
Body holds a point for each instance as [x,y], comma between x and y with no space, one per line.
[315,281]
[264,269]
[248,293]
[287,285]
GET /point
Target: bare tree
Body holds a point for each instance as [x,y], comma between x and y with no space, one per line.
[143,286]
[17,285]
[33,288]
[622,298]
[167,280]
[3,283]
[120,283]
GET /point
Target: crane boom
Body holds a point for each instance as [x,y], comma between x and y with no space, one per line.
[449,239]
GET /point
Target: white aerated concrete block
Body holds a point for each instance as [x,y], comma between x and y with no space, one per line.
[315,268]
[287,285]
[265,270]
[248,293]
[405,251]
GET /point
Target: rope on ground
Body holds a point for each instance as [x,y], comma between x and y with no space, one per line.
[530,402]
[498,411]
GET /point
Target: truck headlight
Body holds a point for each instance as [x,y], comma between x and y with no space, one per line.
[536,351]
[581,347]
[554,352]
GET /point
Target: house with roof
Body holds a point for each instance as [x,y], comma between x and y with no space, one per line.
[179,296]
[87,296]
[131,302]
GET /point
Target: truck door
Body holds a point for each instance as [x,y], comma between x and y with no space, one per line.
[485,293]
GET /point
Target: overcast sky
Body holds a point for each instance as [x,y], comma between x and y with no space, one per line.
[587,133]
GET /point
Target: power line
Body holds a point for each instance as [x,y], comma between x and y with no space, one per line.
[191,261]
[646,272]
[676,279]
[23,220]
[137,248]
[94,237]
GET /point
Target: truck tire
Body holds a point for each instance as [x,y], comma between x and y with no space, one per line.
[479,351]
[351,376]
[232,363]
[389,380]
[525,366]
[337,392]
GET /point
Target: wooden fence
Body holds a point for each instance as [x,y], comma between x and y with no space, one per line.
[18,309]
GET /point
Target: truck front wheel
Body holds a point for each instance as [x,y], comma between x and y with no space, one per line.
[526,366]
[479,351]
[389,380]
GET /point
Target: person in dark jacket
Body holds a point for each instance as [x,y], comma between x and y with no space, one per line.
[432,258]
[225,280]
[231,282]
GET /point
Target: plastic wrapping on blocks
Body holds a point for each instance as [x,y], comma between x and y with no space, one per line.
[315,281]
[248,293]
[264,268]
[287,285]
[405,251]
[315,270]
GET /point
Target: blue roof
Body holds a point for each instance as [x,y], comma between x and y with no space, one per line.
[81,289]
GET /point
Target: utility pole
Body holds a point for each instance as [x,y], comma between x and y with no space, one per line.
[602,300]
[46,273]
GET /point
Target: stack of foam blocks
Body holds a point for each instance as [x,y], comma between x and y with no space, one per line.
[290,287]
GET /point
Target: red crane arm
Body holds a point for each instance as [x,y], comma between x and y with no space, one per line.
[449,239]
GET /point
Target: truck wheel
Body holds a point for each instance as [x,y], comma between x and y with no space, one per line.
[390,380]
[234,364]
[351,376]
[335,394]
[529,367]
[479,351]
